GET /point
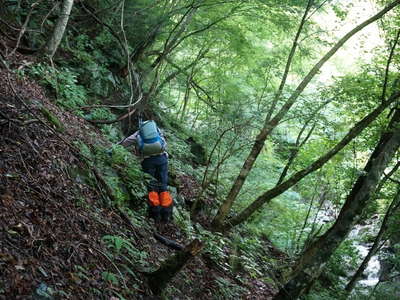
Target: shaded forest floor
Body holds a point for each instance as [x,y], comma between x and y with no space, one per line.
[57,239]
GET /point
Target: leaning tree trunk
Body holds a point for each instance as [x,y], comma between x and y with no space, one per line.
[59,30]
[159,279]
[310,264]
[317,164]
[390,211]
[270,124]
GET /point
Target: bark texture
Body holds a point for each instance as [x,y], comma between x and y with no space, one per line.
[59,30]
[159,279]
[311,263]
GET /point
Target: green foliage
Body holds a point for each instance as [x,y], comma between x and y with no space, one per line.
[120,246]
[345,258]
[84,149]
[81,272]
[182,220]
[181,160]
[282,222]
[324,295]
[131,172]
[63,81]
[122,172]
[52,119]
[110,277]
[215,246]
[231,86]
[253,253]
[228,289]
[385,290]
[117,243]
[100,114]
[91,64]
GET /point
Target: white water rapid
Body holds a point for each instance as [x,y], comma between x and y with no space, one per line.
[371,273]
[374,266]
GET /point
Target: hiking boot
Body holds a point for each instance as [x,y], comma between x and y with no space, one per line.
[160,227]
[166,214]
[154,213]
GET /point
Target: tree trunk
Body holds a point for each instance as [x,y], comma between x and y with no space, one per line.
[159,279]
[310,264]
[186,97]
[58,32]
[392,208]
[270,124]
[295,178]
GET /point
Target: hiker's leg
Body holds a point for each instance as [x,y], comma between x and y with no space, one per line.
[150,168]
[162,171]
[153,198]
[166,200]
[160,164]
[166,206]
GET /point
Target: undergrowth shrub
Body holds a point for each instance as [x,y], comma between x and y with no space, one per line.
[254,253]
[125,257]
[121,247]
[131,170]
[345,258]
[181,157]
[323,295]
[335,276]
[227,289]
[100,113]
[91,63]
[385,290]
[63,81]
[281,223]
[121,171]
[215,245]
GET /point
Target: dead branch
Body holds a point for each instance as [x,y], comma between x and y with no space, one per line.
[115,266]
[24,26]
[7,36]
[105,185]
[120,118]
[48,14]
[4,62]
[167,242]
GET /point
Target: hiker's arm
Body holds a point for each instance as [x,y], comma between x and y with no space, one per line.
[130,140]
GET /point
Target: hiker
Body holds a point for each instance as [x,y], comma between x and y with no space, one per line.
[150,144]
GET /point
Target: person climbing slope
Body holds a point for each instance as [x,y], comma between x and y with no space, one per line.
[150,144]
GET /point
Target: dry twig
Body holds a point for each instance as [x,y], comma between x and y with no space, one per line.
[115,266]
[24,26]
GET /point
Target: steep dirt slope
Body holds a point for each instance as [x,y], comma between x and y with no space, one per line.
[45,234]
[53,226]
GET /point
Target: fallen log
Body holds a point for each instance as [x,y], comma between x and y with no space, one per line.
[159,279]
[167,242]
